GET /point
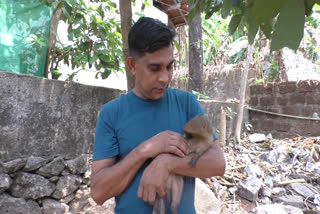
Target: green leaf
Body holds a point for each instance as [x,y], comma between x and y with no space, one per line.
[106,73]
[252,32]
[177,45]
[266,28]
[104,58]
[226,8]
[98,20]
[78,58]
[192,14]
[236,3]
[93,59]
[289,27]
[71,2]
[234,23]
[263,10]
[308,6]
[114,5]
[67,9]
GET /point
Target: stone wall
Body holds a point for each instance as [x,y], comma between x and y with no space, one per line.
[37,185]
[46,140]
[292,98]
[44,117]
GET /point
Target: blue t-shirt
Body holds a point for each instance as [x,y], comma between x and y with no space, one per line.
[126,122]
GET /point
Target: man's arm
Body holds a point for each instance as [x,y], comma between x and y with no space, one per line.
[211,163]
[109,179]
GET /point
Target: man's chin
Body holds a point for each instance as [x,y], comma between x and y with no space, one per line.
[158,94]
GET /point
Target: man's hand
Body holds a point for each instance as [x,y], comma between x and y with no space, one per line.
[164,142]
[154,180]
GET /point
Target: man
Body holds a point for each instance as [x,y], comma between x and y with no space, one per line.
[138,140]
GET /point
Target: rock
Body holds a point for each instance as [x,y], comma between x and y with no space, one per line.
[34,163]
[80,201]
[243,150]
[78,165]
[292,200]
[65,172]
[268,181]
[55,167]
[50,206]
[304,189]
[316,199]
[66,185]
[54,179]
[12,205]
[253,170]
[304,156]
[205,200]
[277,209]
[14,165]
[257,138]
[267,192]
[295,154]
[313,168]
[249,188]
[286,168]
[246,158]
[269,136]
[278,191]
[5,182]
[67,199]
[276,156]
[31,186]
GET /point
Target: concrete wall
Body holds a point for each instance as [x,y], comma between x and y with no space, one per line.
[220,83]
[293,98]
[44,117]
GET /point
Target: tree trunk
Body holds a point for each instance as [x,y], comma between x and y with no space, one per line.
[195,54]
[126,19]
[243,86]
[52,39]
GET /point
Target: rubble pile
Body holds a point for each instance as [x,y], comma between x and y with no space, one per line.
[266,175]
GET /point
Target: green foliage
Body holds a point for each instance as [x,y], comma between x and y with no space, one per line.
[274,70]
[259,81]
[199,95]
[183,79]
[94,33]
[214,33]
[237,57]
[288,16]
[230,113]
[292,34]
[248,126]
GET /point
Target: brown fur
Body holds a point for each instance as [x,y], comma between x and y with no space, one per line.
[198,133]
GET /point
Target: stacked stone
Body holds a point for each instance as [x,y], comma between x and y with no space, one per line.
[38,185]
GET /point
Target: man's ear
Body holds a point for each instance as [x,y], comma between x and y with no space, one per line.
[132,64]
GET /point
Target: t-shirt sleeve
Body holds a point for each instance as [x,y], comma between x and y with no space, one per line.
[105,142]
[195,109]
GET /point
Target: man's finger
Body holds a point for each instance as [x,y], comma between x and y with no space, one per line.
[161,193]
[175,150]
[151,197]
[140,191]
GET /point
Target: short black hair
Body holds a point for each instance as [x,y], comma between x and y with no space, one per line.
[149,35]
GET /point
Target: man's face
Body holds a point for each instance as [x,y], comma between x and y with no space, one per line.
[153,73]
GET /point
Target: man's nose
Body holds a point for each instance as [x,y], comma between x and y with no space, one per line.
[164,76]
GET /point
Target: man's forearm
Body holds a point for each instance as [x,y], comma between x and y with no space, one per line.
[111,181]
[211,163]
